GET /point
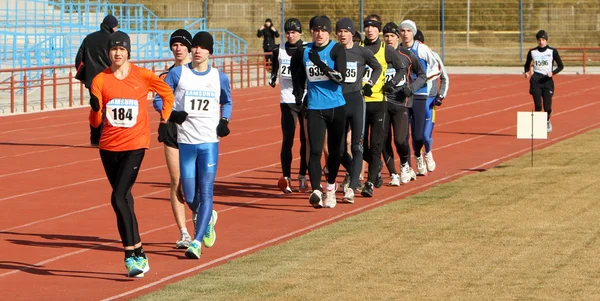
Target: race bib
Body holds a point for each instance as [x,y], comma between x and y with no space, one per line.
[368,72]
[351,72]
[389,74]
[285,69]
[314,73]
[121,112]
[200,103]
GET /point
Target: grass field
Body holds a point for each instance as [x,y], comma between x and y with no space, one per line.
[513,232]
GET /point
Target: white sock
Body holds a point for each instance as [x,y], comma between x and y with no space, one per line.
[330,186]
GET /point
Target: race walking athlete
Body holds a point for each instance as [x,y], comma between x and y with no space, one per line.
[398,107]
[291,113]
[541,84]
[357,57]
[408,29]
[375,98]
[202,108]
[121,92]
[436,96]
[324,65]
[181,44]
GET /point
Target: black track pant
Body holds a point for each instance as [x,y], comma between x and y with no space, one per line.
[397,122]
[541,87]
[417,113]
[289,120]
[355,120]
[95,132]
[333,121]
[374,137]
[121,170]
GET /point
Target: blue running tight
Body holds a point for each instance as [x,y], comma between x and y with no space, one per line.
[198,165]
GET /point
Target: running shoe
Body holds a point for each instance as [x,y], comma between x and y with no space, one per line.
[549,127]
[285,184]
[132,266]
[193,251]
[302,184]
[211,236]
[316,199]
[421,168]
[183,242]
[395,180]
[143,265]
[368,190]
[429,161]
[348,196]
[330,201]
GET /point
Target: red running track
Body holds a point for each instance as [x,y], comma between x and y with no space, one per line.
[58,233]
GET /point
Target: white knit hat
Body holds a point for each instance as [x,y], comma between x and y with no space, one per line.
[410,25]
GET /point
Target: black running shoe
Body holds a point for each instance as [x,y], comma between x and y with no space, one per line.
[368,190]
[378,180]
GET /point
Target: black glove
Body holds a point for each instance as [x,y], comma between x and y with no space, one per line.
[314,57]
[162,131]
[222,128]
[438,100]
[389,86]
[178,117]
[94,103]
[273,80]
[297,96]
[406,90]
[368,90]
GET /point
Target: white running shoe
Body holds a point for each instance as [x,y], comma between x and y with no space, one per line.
[346,182]
[183,242]
[330,201]
[316,199]
[549,127]
[395,180]
[421,168]
[349,196]
[429,161]
[405,175]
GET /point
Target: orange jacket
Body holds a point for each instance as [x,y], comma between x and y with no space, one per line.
[124,107]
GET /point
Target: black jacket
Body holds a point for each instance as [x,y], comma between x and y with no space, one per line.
[269,38]
[93,54]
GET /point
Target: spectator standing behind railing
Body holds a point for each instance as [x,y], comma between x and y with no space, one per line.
[92,58]
[269,33]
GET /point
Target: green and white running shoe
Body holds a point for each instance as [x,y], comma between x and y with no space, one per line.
[211,236]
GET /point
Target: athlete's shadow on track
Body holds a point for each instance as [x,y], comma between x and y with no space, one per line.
[477,134]
[40,270]
[87,242]
[44,144]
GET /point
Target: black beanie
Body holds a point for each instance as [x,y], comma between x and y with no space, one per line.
[204,40]
[268,20]
[182,36]
[542,34]
[391,28]
[292,24]
[322,23]
[119,38]
[347,24]
[373,23]
[419,36]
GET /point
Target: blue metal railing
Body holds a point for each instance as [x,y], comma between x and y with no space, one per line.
[42,32]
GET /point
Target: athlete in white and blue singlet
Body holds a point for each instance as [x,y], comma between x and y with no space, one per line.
[203,97]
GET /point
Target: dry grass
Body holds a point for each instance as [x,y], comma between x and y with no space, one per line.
[510,233]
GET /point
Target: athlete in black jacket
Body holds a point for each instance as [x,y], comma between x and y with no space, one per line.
[92,58]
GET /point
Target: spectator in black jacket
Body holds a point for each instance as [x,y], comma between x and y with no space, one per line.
[92,58]
[268,32]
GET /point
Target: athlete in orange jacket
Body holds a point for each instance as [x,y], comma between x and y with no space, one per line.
[120,94]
